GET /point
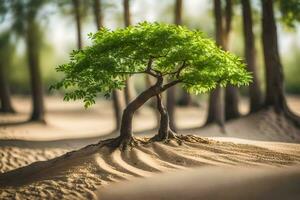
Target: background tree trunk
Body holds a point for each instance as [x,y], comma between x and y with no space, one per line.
[76,5]
[274,72]
[215,105]
[129,89]
[171,96]
[98,13]
[34,70]
[118,103]
[186,98]
[231,92]
[250,55]
[6,105]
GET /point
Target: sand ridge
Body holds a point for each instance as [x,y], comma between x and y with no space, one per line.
[77,174]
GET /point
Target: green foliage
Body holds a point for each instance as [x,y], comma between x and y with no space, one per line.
[116,55]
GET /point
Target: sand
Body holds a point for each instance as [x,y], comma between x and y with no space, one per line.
[77,175]
[263,140]
[211,183]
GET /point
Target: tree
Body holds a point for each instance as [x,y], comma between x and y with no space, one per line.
[98,13]
[231,93]
[171,96]
[275,97]
[24,24]
[129,89]
[77,15]
[5,53]
[250,55]
[116,94]
[166,52]
[215,104]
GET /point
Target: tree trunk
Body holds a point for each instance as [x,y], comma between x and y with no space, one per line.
[129,89]
[186,98]
[76,5]
[164,131]
[274,72]
[250,55]
[118,105]
[216,106]
[132,107]
[34,71]
[231,92]
[98,13]
[6,105]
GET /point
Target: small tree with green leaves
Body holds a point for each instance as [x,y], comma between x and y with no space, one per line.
[169,53]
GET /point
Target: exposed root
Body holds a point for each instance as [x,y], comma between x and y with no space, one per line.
[172,136]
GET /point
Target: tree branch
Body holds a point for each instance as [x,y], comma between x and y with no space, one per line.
[170,84]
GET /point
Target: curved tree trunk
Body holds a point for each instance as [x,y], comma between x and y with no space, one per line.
[129,89]
[231,92]
[98,13]
[76,5]
[34,71]
[132,107]
[6,105]
[274,72]
[216,106]
[250,55]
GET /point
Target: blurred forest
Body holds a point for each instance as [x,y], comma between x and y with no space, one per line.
[57,35]
[37,36]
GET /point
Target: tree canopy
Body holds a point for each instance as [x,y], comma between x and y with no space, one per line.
[173,52]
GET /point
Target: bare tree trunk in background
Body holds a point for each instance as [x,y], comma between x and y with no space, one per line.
[98,13]
[186,98]
[171,96]
[118,107]
[129,89]
[6,105]
[118,103]
[76,5]
[250,55]
[275,96]
[216,106]
[32,48]
[231,92]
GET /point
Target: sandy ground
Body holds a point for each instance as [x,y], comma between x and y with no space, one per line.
[211,183]
[79,174]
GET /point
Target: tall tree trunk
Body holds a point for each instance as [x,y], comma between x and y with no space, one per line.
[171,96]
[32,48]
[6,105]
[250,55]
[76,5]
[231,92]
[118,104]
[216,106]
[274,72]
[98,13]
[129,89]
[186,98]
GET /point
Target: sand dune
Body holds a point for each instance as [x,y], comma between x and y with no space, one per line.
[77,175]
